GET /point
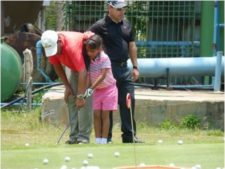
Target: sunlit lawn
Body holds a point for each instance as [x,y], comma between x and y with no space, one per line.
[201,147]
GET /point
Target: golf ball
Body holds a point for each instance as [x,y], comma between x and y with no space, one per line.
[90,167]
[172,165]
[90,155]
[160,141]
[27,144]
[116,154]
[180,142]
[197,166]
[45,161]
[142,164]
[85,163]
[67,159]
[64,167]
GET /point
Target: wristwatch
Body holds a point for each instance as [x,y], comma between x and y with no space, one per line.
[80,96]
[135,67]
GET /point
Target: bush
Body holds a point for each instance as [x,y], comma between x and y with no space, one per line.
[190,122]
[167,124]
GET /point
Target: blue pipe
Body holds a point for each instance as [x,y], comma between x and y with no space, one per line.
[167,43]
[19,104]
[4,105]
[160,67]
[39,54]
[41,83]
[217,80]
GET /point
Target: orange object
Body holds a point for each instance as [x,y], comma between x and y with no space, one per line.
[128,100]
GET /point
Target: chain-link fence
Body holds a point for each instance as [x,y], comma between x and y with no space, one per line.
[163,28]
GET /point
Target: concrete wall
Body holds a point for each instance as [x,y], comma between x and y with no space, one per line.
[153,107]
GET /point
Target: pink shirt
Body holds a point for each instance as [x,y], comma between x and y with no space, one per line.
[96,65]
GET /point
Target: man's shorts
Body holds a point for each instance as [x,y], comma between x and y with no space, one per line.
[105,98]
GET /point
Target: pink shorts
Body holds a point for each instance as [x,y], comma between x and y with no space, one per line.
[105,98]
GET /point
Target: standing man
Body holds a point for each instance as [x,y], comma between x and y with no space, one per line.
[65,48]
[119,44]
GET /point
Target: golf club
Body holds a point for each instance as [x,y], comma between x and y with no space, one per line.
[87,94]
[129,105]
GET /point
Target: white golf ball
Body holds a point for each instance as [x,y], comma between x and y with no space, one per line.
[64,167]
[172,165]
[85,163]
[90,167]
[67,159]
[180,142]
[90,155]
[160,141]
[198,166]
[142,164]
[27,144]
[116,154]
[45,161]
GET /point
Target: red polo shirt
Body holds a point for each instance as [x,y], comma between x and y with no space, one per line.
[71,54]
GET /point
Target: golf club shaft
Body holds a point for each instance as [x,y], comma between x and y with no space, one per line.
[67,126]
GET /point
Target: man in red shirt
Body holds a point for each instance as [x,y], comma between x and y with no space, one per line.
[65,48]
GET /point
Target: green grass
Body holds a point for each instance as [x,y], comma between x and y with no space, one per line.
[200,146]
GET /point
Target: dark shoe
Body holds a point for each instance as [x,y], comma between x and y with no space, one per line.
[71,142]
[136,140]
[109,141]
[82,141]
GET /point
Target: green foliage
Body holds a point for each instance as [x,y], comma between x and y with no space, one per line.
[167,124]
[51,16]
[215,133]
[190,122]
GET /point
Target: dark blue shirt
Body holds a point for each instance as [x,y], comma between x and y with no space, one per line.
[116,37]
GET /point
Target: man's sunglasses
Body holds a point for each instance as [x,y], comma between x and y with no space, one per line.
[120,9]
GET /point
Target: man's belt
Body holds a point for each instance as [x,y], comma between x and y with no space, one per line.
[119,64]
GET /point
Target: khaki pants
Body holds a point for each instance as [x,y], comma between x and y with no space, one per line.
[80,120]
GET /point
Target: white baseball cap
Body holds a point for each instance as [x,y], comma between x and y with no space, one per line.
[117,3]
[49,40]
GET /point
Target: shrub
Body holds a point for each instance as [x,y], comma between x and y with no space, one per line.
[167,124]
[190,122]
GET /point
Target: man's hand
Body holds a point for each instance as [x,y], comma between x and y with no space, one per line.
[80,103]
[135,74]
[67,93]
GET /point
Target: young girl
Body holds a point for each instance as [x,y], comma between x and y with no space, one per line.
[103,85]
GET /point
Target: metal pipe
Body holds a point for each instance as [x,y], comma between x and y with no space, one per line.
[159,67]
[23,97]
[167,43]
[39,54]
[217,80]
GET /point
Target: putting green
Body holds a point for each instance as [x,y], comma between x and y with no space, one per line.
[209,156]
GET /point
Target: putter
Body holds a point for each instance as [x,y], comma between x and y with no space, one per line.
[128,102]
[67,126]
[60,137]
